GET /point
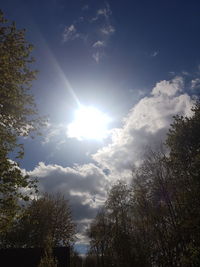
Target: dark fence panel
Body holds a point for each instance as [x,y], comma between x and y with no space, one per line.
[30,257]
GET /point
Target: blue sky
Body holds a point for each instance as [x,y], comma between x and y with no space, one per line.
[136,61]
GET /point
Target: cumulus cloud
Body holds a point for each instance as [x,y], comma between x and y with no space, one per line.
[146,125]
[83,185]
[169,88]
[79,183]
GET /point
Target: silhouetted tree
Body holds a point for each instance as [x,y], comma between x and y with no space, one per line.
[75,259]
[48,260]
[114,240]
[48,218]
[155,221]
[184,143]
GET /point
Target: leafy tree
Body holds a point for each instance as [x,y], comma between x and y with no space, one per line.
[18,115]
[11,182]
[48,218]
[17,107]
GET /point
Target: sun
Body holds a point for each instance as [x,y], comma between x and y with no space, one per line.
[89,123]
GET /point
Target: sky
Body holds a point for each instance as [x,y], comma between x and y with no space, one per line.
[131,64]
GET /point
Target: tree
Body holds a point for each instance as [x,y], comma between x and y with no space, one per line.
[75,259]
[113,238]
[17,108]
[118,206]
[156,210]
[48,260]
[184,142]
[100,239]
[48,218]
[18,115]
[156,220]
[166,196]
[12,180]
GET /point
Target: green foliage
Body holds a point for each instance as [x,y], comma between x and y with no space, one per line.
[12,181]
[17,107]
[18,116]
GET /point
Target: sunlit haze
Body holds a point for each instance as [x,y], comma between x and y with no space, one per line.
[89,123]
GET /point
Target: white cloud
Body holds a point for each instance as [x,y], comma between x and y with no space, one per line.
[103,20]
[99,53]
[101,26]
[103,12]
[107,30]
[77,182]
[83,185]
[70,33]
[146,125]
[169,88]
[106,12]
[195,84]
[99,44]
[50,135]
[54,133]
[155,53]
[185,73]
[97,56]
[84,178]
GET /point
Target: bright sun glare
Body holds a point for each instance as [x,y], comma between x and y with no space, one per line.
[89,123]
